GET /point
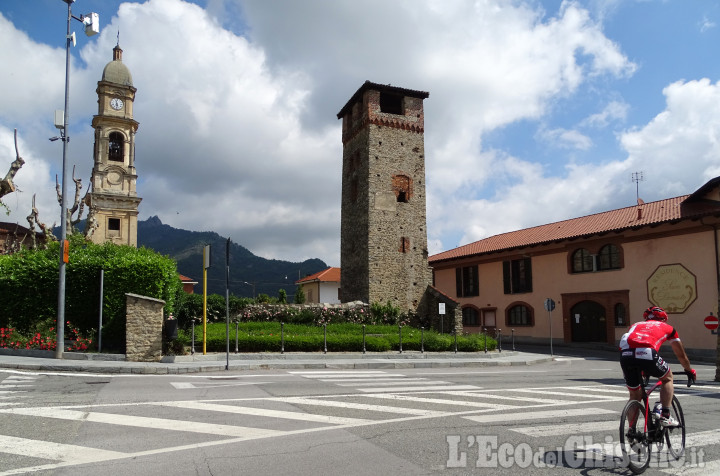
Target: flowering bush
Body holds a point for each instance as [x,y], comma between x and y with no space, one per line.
[43,338]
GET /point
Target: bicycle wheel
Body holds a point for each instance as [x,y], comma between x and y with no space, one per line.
[633,437]
[675,436]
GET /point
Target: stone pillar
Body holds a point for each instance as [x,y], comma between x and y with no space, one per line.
[143,335]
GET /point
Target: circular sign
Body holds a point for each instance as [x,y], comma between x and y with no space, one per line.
[711,322]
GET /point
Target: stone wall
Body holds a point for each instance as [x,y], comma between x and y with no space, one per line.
[143,335]
[383,224]
[429,312]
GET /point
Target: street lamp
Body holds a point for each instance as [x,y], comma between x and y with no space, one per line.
[253,286]
[92,27]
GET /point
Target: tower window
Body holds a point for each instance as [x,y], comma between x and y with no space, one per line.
[116,147]
[391,103]
[402,187]
[114,224]
[404,244]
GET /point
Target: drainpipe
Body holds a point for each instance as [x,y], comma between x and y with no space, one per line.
[717,282]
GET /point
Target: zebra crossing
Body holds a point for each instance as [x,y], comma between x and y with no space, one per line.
[374,397]
[14,386]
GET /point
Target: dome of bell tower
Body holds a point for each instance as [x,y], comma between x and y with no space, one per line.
[115,71]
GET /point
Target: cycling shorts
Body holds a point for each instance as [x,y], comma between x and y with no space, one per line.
[647,360]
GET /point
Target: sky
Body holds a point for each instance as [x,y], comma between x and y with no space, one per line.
[539,111]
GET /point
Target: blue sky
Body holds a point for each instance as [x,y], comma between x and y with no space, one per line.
[539,111]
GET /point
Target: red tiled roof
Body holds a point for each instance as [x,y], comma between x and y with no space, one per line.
[185,279]
[330,275]
[646,214]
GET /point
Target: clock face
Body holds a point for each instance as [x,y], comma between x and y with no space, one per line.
[116,103]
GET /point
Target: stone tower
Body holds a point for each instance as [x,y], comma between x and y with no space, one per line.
[113,200]
[383,249]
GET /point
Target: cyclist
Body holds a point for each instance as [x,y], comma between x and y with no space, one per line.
[639,352]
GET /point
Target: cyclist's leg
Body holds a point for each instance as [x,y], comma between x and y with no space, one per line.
[631,373]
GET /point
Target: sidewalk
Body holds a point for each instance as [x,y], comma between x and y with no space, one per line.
[217,362]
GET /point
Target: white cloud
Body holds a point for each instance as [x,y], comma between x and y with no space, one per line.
[238,132]
[706,24]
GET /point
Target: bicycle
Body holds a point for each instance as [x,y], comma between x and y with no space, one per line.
[640,430]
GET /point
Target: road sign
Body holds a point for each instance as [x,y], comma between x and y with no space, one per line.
[549,305]
[711,322]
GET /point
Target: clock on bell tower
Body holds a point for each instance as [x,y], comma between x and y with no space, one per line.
[113,200]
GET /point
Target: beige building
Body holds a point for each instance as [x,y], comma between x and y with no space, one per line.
[113,200]
[321,287]
[601,271]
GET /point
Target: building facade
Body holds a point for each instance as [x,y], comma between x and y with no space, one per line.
[113,200]
[600,271]
[383,250]
[321,287]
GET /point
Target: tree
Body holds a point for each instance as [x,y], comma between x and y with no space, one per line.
[282,296]
[6,185]
[299,295]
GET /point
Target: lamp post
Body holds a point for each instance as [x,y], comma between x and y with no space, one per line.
[253,286]
[92,26]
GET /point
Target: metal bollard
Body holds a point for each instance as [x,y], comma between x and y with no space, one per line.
[282,338]
[455,332]
[192,346]
[498,336]
[512,333]
[363,338]
[237,328]
[485,338]
[325,338]
[400,334]
[422,340]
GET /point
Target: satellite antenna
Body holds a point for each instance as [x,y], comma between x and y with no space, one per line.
[637,177]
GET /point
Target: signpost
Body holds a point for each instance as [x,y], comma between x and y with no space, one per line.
[549,307]
[441,311]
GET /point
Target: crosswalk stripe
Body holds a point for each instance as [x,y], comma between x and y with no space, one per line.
[361,406]
[568,429]
[55,451]
[264,412]
[144,422]
[376,379]
[427,388]
[327,373]
[539,415]
[505,398]
[442,401]
[564,394]
[394,382]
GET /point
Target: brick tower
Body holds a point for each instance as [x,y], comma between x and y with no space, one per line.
[383,242]
[113,200]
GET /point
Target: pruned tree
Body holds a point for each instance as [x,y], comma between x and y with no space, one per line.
[33,220]
[78,206]
[6,185]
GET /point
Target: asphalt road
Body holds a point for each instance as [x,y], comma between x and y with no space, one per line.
[554,418]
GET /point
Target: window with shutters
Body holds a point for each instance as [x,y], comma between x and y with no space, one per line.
[517,276]
[466,281]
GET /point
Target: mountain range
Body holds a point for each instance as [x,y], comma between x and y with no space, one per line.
[249,274]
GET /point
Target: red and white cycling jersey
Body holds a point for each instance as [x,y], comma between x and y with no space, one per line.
[648,334]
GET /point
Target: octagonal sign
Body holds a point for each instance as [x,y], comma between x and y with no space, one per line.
[672,287]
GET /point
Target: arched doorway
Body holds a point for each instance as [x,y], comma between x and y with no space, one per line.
[588,322]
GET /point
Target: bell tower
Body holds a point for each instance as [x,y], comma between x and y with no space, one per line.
[113,200]
[383,242]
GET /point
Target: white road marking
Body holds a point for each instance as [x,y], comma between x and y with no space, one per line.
[57,451]
[568,429]
[264,412]
[144,422]
[440,387]
[361,406]
[442,401]
[539,415]
[379,378]
[505,397]
[395,382]
[563,394]
[190,385]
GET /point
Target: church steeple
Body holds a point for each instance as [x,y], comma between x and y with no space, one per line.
[113,200]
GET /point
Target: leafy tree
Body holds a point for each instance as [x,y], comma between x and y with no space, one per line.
[299,295]
[282,296]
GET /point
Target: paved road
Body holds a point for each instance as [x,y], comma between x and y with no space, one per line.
[553,418]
